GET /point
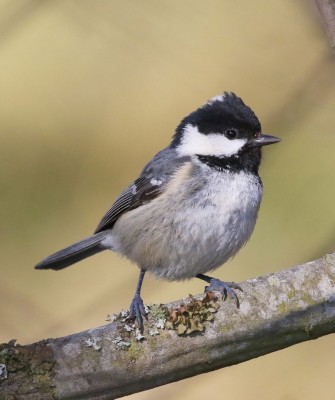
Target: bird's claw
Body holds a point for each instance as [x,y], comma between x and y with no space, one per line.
[224,288]
[137,311]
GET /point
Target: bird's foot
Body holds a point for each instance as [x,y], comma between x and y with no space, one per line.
[225,288]
[137,311]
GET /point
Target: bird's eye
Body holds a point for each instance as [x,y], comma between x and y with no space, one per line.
[231,134]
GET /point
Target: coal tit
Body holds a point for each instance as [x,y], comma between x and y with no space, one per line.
[194,205]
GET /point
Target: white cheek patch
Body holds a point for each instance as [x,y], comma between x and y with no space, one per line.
[213,144]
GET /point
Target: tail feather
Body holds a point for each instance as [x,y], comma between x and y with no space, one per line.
[72,254]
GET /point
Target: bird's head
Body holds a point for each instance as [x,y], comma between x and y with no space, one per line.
[223,128]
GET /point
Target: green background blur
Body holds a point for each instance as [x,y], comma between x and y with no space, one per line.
[91,90]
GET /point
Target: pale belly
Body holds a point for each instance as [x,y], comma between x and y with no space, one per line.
[177,236]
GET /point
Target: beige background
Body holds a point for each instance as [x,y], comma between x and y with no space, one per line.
[90,90]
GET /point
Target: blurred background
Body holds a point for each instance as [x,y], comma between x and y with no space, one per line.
[91,90]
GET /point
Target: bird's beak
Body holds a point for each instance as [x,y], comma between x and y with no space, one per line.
[262,140]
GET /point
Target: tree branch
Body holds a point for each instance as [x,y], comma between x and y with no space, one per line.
[277,311]
[327,11]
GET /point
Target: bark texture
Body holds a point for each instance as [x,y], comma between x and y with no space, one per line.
[277,311]
[327,11]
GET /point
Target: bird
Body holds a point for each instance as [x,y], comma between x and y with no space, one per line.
[193,206]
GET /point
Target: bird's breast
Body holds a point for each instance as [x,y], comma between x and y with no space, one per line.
[199,222]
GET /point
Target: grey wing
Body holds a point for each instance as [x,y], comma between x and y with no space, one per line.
[148,186]
[139,192]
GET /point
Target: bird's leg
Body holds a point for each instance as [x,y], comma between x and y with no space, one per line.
[223,287]
[137,309]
